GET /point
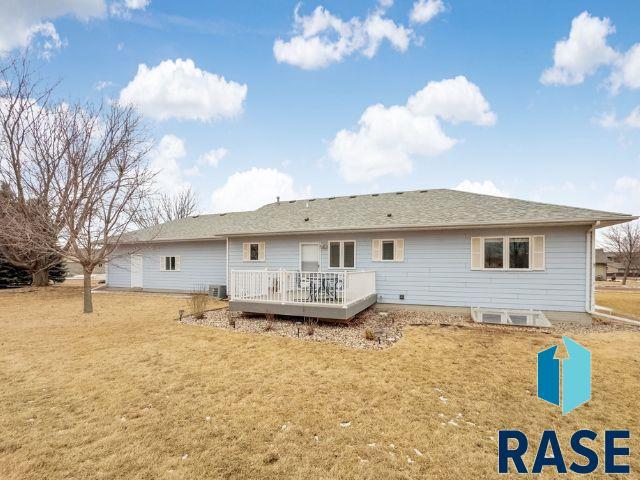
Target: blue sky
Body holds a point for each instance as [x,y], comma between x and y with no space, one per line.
[272,126]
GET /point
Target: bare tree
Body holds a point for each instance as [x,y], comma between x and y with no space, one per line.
[30,154]
[166,208]
[624,242]
[105,166]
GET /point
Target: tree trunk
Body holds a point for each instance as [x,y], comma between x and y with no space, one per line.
[88,302]
[40,279]
[626,274]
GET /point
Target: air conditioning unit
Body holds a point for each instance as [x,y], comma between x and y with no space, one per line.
[218,291]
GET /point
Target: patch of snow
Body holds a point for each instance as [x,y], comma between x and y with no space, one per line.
[409,461]
[345,424]
[442,399]
[451,422]
[207,419]
[185,456]
[417,452]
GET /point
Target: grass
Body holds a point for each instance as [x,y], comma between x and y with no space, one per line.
[623,302]
[128,392]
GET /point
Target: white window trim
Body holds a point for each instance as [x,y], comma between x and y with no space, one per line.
[342,267]
[505,254]
[164,263]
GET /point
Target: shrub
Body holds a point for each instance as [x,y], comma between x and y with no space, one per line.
[232,321]
[311,325]
[269,326]
[199,302]
[369,335]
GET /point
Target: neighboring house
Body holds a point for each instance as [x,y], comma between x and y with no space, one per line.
[601,264]
[340,254]
[608,266]
[74,268]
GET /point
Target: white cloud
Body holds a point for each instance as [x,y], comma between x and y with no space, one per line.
[254,188]
[486,187]
[102,84]
[424,11]
[610,120]
[213,157]
[322,38]
[26,22]
[179,89]
[165,161]
[625,195]
[627,72]
[123,8]
[582,53]
[455,100]
[387,139]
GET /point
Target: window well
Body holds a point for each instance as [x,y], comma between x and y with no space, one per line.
[520,318]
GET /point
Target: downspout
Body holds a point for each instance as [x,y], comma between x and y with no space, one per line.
[227,267]
[590,268]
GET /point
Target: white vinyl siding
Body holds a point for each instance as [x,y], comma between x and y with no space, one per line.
[436,268]
[201,263]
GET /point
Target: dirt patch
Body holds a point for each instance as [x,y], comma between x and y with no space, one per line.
[375,329]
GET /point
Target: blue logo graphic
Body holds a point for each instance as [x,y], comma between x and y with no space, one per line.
[569,378]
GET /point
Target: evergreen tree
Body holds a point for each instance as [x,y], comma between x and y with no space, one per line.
[11,276]
[58,272]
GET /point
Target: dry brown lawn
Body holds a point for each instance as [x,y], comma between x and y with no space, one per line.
[128,392]
[626,303]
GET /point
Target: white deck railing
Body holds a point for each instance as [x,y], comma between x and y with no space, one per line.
[285,286]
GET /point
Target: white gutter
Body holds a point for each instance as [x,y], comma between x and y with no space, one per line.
[590,265]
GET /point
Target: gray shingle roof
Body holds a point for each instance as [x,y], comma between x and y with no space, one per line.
[439,208]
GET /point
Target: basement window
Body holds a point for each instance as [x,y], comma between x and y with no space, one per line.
[519,318]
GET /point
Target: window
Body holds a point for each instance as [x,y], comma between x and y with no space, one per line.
[253,252]
[342,254]
[171,264]
[349,255]
[391,250]
[519,252]
[508,253]
[493,252]
[334,254]
[388,250]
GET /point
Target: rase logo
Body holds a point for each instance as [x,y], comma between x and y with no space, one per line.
[566,383]
[569,378]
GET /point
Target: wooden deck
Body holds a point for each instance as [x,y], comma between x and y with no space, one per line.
[304,309]
[328,295]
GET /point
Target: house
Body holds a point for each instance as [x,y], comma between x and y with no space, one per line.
[332,257]
[609,266]
[601,264]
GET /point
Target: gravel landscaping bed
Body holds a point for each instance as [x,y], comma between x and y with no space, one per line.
[372,329]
